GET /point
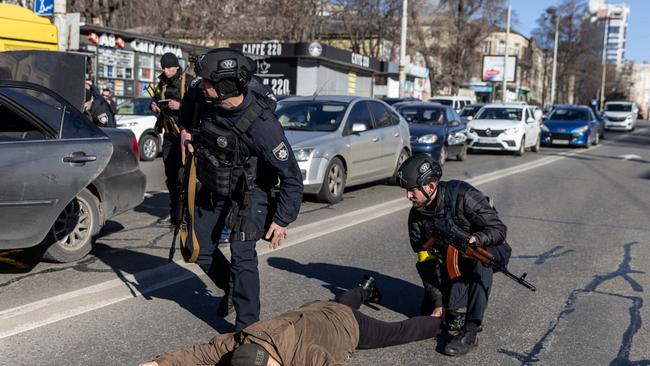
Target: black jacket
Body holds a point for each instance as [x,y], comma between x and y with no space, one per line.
[101,113]
[172,89]
[470,210]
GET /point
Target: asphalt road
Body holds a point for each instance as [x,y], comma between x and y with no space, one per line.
[578,224]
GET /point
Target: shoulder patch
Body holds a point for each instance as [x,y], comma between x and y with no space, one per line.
[281,152]
[103,118]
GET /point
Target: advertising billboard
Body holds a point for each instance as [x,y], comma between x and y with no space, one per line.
[493,68]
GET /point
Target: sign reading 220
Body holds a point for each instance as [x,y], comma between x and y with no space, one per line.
[262,49]
[279,86]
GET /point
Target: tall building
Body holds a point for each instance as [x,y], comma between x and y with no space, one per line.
[612,21]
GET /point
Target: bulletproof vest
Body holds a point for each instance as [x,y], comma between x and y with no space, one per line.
[220,165]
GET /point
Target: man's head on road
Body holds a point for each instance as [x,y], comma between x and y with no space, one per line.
[225,73]
[169,64]
[419,175]
[251,354]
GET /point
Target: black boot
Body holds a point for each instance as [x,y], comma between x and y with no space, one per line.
[226,306]
[464,342]
[370,290]
[454,320]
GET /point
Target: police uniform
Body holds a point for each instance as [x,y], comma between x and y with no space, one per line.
[100,112]
[171,89]
[241,156]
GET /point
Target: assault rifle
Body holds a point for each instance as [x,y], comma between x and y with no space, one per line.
[458,241]
[181,220]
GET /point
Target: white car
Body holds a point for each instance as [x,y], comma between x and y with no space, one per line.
[620,115]
[135,115]
[455,101]
[501,127]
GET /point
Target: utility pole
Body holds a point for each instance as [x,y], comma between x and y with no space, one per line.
[604,76]
[505,58]
[61,23]
[554,75]
[402,50]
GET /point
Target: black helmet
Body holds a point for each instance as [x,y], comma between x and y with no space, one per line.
[228,69]
[417,171]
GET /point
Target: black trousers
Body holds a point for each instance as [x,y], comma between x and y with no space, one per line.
[238,277]
[374,333]
[470,290]
[172,161]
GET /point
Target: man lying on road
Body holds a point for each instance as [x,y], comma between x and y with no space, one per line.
[317,333]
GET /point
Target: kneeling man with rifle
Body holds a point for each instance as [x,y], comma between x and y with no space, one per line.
[448,219]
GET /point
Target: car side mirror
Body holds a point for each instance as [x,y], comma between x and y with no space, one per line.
[469,118]
[359,127]
[454,124]
[530,120]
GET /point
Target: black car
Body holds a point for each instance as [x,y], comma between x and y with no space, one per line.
[63,177]
[435,129]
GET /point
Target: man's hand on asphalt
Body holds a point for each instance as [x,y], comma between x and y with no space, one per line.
[186,138]
[275,235]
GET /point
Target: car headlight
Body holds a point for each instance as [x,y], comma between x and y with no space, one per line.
[302,154]
[544,128]
[511,130]
[629,117]
[428,139]
[456,138]
[581,129]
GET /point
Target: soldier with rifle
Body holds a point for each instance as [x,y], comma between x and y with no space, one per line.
[166,103]
[448,217]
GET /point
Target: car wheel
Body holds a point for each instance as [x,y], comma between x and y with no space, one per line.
[463,154]
[71,236]
[334,183]
[402,156]
[443,155]
[522,147]
[148,147]
[535,147]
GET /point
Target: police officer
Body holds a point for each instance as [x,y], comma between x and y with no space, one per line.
[97,109]
[241,154]
[470,210]
[166,104]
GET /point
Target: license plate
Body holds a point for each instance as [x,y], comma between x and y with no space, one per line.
[487,140]
[560,142]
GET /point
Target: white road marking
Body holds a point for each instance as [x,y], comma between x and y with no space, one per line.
[47,311]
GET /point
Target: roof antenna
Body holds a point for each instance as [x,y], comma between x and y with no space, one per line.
[320,89]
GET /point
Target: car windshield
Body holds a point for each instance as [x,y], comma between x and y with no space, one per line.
[135,107]
[618,107]
[469,110]
[443,101]
[513,114]
[310,115]
[569,114]
[423,114]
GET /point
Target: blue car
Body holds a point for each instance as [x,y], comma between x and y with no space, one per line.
[571,125]
[435,129]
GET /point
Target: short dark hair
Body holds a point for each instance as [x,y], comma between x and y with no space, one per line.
[107,89]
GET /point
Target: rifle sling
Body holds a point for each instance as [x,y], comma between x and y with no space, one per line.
[190,256]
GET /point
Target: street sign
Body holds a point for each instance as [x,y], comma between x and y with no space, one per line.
[44,7]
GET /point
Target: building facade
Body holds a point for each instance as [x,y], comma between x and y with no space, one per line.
[640,91]
[612,22]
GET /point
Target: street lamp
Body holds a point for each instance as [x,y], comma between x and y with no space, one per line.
[553,13]
[402,50]
[505,59]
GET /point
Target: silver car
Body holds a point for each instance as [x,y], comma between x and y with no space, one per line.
[343,141]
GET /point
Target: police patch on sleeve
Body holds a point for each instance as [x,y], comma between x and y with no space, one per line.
[281,153]
[103,118]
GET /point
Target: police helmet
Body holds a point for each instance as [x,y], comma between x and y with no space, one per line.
[417,171]
[228,70]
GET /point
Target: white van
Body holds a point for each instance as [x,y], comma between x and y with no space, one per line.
[454,101]
[620,115]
